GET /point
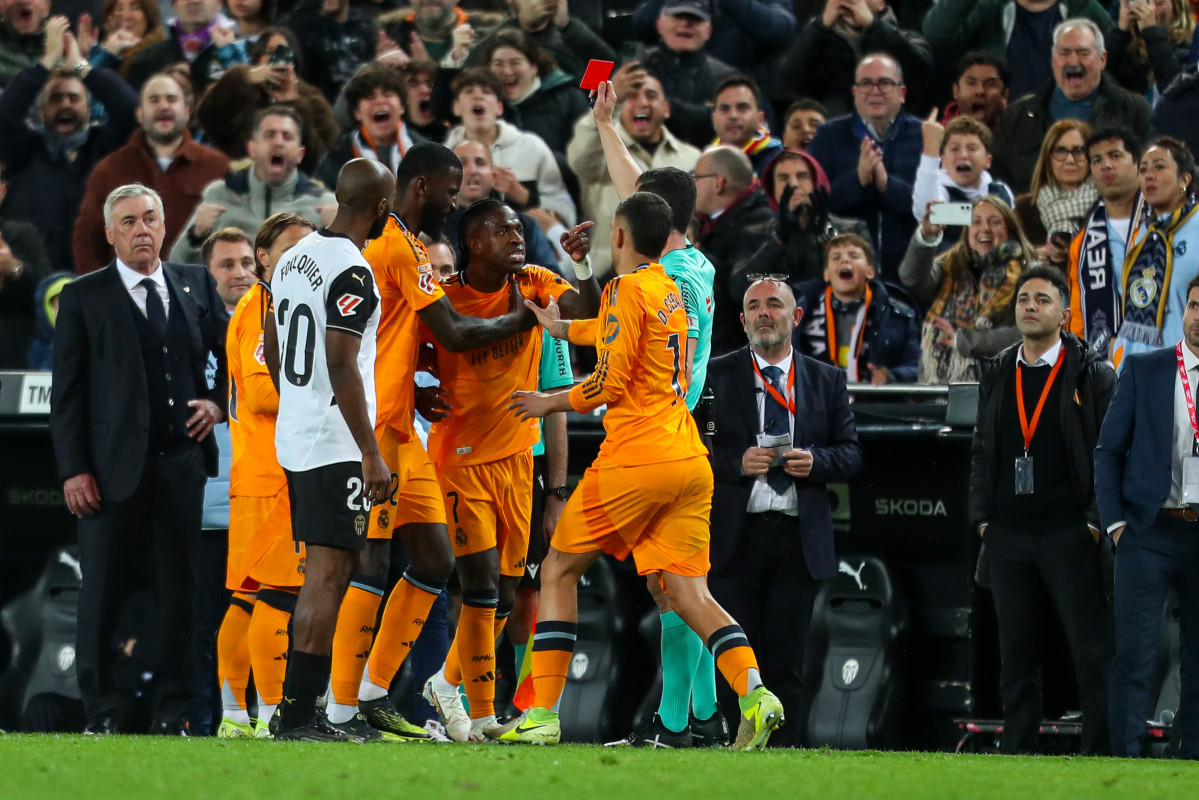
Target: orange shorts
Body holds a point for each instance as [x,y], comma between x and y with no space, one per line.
[658,512]
[490,506]
[266,554]
[415,492]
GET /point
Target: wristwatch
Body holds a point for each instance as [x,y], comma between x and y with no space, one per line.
[560,492]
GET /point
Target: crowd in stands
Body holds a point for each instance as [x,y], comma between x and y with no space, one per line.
[847,122]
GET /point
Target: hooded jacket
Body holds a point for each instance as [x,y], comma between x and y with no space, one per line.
[792,251]
[41,349]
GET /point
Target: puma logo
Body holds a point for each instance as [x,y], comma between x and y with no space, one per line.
[856,574]
[360,278]
[66,558]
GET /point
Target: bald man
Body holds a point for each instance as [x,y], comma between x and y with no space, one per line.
[320,348]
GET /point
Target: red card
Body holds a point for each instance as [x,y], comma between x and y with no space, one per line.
[597,72]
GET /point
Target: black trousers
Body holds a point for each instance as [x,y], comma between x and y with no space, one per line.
[768,589]
[161,519]
[1027,566]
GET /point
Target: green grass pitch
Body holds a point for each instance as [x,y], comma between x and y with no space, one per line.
[131,768]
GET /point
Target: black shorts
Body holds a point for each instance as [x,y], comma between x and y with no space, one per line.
[532,577]
[328,508]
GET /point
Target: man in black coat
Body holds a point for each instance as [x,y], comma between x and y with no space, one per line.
[772,527]
[1041,404]
[47,169]
[131,414]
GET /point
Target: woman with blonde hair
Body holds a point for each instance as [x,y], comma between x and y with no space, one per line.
[1150,44]
[972,287]
[1061,193]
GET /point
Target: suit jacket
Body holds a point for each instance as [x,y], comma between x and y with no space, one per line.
[1136,442]
[822,421]
[99,403]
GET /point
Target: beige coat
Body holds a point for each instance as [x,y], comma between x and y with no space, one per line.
[585,155]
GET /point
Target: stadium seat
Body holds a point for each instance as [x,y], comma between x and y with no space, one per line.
[859,627]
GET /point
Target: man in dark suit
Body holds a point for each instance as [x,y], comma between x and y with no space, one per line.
[783,431]
[131,414]
[1146,449]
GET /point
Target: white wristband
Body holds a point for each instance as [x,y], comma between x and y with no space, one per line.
[582,268]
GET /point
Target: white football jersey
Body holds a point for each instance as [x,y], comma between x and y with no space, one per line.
[323,284]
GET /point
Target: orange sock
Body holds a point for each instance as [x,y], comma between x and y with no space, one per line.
[403,619]
[353,636]
[453,668]
[476,650]
[553,646]
[232,654]
[735,659]
[268,642]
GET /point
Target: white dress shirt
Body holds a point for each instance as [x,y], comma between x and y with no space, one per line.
[762,498]
[1047,359]
[133,279]
[1184,434]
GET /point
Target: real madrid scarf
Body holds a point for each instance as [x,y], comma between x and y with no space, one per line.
[1147,271]
[1101,311]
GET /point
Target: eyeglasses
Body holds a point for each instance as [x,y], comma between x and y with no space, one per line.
[884,85]
[695,176]
[1073,153]
[754,277]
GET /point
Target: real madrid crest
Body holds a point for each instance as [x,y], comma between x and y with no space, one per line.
[1142,291]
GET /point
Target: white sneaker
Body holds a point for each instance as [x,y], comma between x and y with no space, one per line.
[450,709]
[487,728]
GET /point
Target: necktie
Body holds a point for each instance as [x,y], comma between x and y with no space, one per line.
[776,422]
[155,312]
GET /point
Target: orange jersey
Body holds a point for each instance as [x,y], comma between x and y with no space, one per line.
[253,403]
[406,285]
[641,339]
[480,428]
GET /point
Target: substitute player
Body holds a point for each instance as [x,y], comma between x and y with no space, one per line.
[483,454]
[263,557]
[687,711]
[649,492]
[321,344]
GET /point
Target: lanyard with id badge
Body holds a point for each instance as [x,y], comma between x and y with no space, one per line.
[1024,469]
[780,443]
[1190,464]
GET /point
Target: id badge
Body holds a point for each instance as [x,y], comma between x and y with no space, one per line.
[1024,482]
[1190,480]
[779,444]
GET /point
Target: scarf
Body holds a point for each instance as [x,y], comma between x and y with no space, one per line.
[65,148]
[972,295]
[1101,309]
[755,145]
[820,333]
[363,147]
[192,44]
[1147,269]
[1064,210]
